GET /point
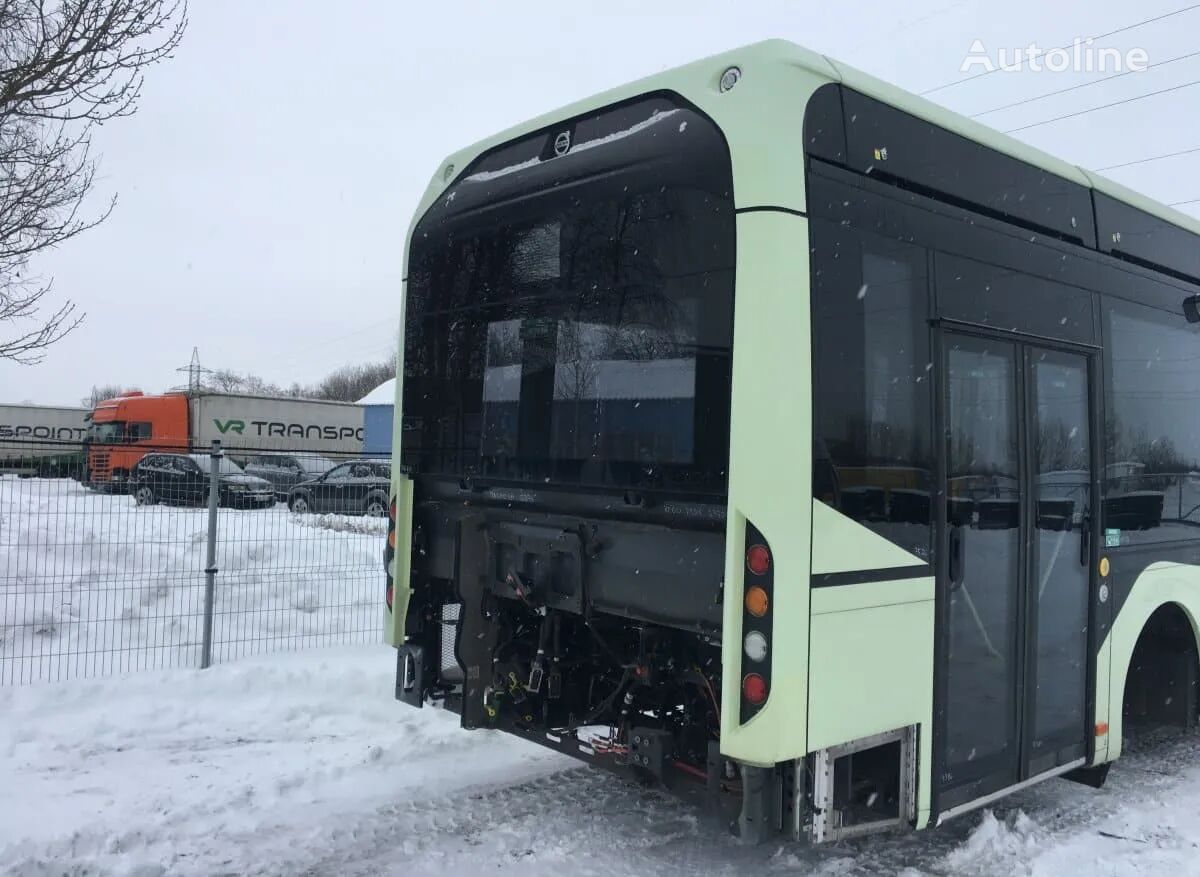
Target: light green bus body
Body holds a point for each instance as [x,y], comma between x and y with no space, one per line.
[857,660]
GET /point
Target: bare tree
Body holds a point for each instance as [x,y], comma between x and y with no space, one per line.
[346,384]
[227,381]
[350,383]
[106,391]
[65,67]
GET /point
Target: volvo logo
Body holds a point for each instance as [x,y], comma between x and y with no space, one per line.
[562,143]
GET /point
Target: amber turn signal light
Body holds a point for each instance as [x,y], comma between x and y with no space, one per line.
[757,602]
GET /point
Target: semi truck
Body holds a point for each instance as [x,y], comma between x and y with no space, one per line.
[124,429]
[41,439]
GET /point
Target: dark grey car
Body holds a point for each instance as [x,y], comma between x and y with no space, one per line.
[285,471]
[359,487]
[184,479]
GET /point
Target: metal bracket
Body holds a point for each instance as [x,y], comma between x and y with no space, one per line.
[410,674]
[649,748]
[760,804]
[826,822]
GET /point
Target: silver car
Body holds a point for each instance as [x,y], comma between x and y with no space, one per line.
[285,471]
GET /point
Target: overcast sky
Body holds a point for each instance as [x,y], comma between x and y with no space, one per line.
[266,184]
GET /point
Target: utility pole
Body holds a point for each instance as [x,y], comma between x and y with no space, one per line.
[195,373]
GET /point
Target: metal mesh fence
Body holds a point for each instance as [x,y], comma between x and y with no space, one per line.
[107,575]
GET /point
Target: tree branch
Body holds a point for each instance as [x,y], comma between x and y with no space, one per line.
[65,66]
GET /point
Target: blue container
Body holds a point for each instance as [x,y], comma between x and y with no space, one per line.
[377,430]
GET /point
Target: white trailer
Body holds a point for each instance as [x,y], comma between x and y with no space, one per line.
[37,438]
[261,423]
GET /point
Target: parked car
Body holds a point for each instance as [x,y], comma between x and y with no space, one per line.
[183,478]
[285,471]
[359,487]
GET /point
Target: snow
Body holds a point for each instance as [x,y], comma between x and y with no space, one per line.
[94,584]
[262,763]
[658,116]
[303,763]
[384,394]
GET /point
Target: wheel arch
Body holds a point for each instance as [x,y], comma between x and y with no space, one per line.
[1164,594]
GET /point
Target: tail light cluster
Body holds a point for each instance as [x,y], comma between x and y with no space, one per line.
[389,553]
[757,610]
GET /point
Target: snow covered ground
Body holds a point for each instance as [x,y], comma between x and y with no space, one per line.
[93,584]
[302,763]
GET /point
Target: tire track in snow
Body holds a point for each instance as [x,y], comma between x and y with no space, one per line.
[589,823]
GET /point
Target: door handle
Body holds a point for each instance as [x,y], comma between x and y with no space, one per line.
[1085,540]
[956,557]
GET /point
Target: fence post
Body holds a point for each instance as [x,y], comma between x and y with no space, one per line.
[210,567]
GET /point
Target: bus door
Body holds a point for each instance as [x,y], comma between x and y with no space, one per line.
[1017,515]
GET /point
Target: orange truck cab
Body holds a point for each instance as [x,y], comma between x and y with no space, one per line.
[125,429]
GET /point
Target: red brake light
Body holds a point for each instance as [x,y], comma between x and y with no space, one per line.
[754,689]
[392,510]
[758,559]
[388,596]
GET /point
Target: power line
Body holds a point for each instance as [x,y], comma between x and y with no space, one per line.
[1116,103]
[908,25]
[1182,203]
[1039,97]
[1102,36]
[1113,167]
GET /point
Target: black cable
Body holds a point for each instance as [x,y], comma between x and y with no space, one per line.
[1030,100]
[616,659]
[606,703]
[1116,103]
[1102,36]
[1112,167]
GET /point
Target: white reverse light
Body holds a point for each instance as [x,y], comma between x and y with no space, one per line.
[755,645]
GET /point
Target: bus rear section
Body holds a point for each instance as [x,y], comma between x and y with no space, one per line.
[565,433]
[757,440]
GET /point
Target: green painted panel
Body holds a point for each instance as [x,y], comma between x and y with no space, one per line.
[841,544]
[1103,698]
[393,622]
[872,671]
[869,595]
[769,483]
[762,118]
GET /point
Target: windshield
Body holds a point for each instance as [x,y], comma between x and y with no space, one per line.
[582,335]
[107,433]
[227,466]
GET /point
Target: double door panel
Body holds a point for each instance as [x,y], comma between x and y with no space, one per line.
[1016,577]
